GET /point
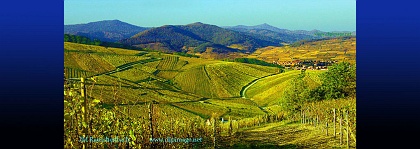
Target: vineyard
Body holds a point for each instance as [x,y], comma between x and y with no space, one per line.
[220,80]
[333,49]
[139,95]
[88,117]
[267,89]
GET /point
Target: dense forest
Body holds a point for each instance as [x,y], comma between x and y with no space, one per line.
[88,41]
[197,35]
[81,39]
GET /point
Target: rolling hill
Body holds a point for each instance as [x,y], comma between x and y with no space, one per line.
[107,30]
[186,86]
[267,91]
[223,87]
[336,49]
[196,37]
[271,33]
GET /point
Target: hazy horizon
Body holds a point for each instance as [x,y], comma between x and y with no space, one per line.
[324,15]
[209,24]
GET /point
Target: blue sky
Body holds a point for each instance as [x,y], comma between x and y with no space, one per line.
[325,15]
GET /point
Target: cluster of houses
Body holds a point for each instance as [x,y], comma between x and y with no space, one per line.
[306,64]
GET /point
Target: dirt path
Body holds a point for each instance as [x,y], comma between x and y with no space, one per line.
[283,135]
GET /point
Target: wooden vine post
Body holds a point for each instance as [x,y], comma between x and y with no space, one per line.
[214,132]
[151,121]
[230,127]
[85,103]
[237,126]
[326,127]
[317,120]
[341,130]
[348,131]
[334,122]
[301,116]
[85,109]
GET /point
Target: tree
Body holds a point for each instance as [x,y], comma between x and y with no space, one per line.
[339,81]
[97,42]
[66,38]
[295,94]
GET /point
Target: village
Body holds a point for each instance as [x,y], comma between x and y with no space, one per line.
[306,64]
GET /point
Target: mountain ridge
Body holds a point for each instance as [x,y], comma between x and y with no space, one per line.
[179,37]
[289,36]
[105,30]
[196,36]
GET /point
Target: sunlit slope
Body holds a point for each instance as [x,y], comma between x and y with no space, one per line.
[88,62]
[268,91]
[332,49]
[221,79]
[98,59]
[75,47]
[130,79]
[270,88]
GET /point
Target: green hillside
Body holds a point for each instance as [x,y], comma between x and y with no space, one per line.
[198,36]
[138,93]
[220,79]
[268,91]
[130,78]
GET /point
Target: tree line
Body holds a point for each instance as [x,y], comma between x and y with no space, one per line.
[257,62]
[337,83]
[97,42]
[81,40]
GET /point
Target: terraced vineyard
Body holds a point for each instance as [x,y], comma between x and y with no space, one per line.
[87,62]
[118,60]
[190,95]
[333,49]
[75,47]
[171,63]
[267,91]
[220,80]
[131,79]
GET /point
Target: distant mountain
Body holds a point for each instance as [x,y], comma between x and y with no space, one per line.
[107,30]
[276,34]
[199,36]
[264,26]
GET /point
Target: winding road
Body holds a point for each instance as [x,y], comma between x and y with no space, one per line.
[243,90]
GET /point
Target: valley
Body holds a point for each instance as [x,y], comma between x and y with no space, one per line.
[204,81]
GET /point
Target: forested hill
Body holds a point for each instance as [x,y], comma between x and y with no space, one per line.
[107,30]
[198,36]
[88,41]
[289,36]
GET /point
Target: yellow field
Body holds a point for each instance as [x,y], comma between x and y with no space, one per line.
[169,79]
[221,79]
[185,91]
[333,49]
[98,49]
[268,91]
